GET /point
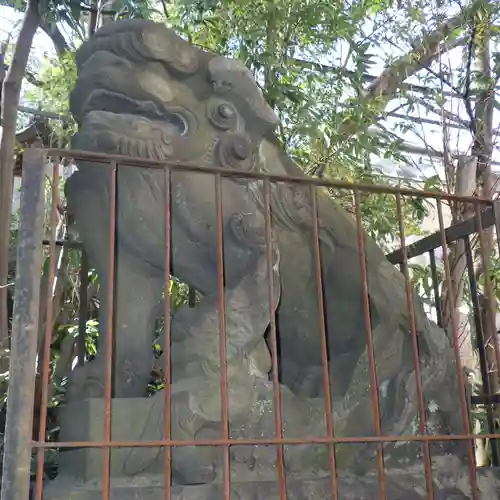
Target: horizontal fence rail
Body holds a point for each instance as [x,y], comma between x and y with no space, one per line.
[231,365]
[458,231]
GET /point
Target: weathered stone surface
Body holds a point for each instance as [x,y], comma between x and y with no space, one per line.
[144,92]
[407,485]
[127,418]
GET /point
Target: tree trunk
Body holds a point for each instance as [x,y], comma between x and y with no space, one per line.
[482,148]
[465,185]
[11,90]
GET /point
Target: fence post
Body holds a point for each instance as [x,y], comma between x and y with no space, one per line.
[20,395]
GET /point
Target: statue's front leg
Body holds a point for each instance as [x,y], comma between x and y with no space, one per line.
[135,294]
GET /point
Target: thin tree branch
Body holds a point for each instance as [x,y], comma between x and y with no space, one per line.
[467,87]
[164,4]
[367,78]
[422,55]
[444,113]
[31,78]
[94,13]
[60,44]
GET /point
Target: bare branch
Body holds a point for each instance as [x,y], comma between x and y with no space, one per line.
[94,14]
[367,78]
[54,33]
[467,100]
[384,87]
[31,78]
[165,8]
[50,29]
[422,55]
[444,113]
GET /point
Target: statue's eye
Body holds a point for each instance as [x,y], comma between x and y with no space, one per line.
[222,114]
[178,123]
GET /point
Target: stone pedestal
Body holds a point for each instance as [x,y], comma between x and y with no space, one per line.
[449,484]
[131,420]
[153,490]
[138,473]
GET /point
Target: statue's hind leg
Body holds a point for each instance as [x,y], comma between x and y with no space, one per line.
[136,292]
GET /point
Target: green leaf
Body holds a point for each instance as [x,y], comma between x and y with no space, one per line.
[432,183]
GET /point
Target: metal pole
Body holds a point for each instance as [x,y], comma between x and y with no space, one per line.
[22,371]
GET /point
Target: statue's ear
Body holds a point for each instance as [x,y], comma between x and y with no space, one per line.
[232,78]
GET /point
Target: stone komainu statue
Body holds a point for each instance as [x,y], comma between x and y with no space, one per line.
[144,92]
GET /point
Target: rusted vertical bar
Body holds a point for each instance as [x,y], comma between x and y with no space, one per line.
[483,363]
[82,320]
[278,421]
[330,430]
[416,360]
[108,341]
[222,335]
[490,312]
[456,351]
[22,370]
[167,341]
[40,459]
[370,347]
[435,286]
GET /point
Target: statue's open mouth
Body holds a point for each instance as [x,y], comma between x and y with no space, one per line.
[113,102]
[106,100]
[115,123]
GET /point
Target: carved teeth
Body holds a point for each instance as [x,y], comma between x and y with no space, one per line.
[109,141]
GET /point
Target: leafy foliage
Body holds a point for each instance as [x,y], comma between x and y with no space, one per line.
[56,79]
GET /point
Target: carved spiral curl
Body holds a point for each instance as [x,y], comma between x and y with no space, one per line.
[247,229]
[236,151]
[222,114]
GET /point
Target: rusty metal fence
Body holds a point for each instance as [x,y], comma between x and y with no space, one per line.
[481,306]
[18,444]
